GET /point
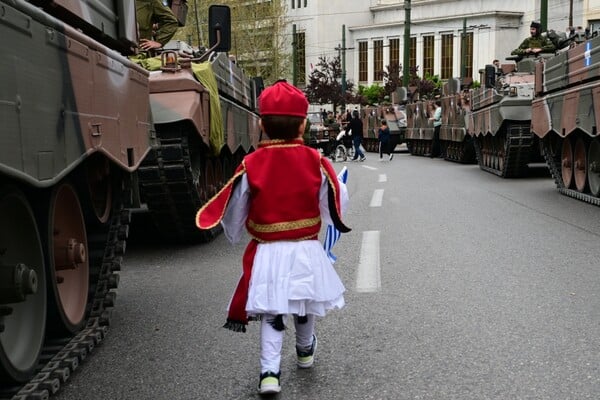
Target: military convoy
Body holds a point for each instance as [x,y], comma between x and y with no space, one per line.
[87,134]
[456,144]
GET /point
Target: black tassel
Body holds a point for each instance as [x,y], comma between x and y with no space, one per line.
[277,323]
[235,326]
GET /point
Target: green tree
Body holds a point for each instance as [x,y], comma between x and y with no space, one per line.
[257,34]
[371,95]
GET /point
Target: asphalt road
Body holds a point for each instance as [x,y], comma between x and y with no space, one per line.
[460,285]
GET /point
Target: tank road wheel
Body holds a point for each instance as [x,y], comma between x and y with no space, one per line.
[22,289]
[594,167]
[567,163]
[100,187]
[580,165]
[502,146]
[68,260]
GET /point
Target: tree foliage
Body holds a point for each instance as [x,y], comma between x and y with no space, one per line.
[427,87]
[371,95]
[324,84]
[257,35]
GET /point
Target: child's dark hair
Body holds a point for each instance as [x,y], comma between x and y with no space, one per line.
[281,126]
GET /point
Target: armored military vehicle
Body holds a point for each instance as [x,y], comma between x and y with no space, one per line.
[456,144]
[566,115]
[205,115]
[419,128]
[395,116]
[500,119]
[74,130]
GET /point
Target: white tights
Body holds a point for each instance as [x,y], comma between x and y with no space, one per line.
[271,340]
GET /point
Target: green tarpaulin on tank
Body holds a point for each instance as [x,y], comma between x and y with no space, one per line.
[205,75]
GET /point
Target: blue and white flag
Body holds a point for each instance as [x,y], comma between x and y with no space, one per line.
[333,234]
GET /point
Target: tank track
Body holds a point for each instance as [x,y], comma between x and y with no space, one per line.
[168,188]
[518,143]
[460,152]
[61,356]
[554,167]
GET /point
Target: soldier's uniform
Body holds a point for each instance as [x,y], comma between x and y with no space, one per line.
[154,11]
[535,42]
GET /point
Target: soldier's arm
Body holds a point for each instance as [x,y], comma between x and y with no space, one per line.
[167,22]
[519,51]
[548,46]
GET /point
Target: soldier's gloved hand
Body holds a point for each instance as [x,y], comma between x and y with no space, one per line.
[146,44]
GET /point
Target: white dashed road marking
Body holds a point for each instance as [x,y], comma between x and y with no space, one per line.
[368,278]
[377,198]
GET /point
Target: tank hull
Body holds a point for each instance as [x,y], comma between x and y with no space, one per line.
[394,115]
[455,143]
[565,117]
[74,131]
[205,120]
[499,123]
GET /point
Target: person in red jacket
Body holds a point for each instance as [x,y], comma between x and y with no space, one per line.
[281,194]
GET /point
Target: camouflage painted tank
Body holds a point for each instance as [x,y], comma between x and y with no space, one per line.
[456,143]
[500,119]
[204,111]
[566,116]
[419,129]
[395,117]
[74,131]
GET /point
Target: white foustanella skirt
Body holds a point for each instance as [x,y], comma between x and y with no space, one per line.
[293,277]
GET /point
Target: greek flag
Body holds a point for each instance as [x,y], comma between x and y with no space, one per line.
[333,234]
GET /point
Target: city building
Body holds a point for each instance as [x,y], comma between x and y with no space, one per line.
[369,35]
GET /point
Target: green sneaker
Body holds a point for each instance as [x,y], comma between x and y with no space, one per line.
[306,358]
[269,383]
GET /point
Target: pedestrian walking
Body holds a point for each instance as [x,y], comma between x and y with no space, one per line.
[355,128]
[383,134]
[282,204]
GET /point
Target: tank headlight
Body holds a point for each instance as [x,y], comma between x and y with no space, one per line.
[512,91]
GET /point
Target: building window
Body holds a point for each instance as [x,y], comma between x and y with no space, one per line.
[305,3]
[428,42]
[394,51]
[378,60]
[468,55]
[363,61]
[301,58]
[447,56]
[412,54]
[293,4]
[299,3]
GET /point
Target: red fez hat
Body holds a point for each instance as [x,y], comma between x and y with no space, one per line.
[283,99]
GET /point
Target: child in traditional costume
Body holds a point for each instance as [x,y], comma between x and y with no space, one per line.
[281,193]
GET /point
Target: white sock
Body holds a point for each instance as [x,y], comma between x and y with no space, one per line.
[305,331]
[271,341]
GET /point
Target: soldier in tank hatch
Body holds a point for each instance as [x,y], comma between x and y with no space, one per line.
[281,194]
[535,43]
[156,24]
